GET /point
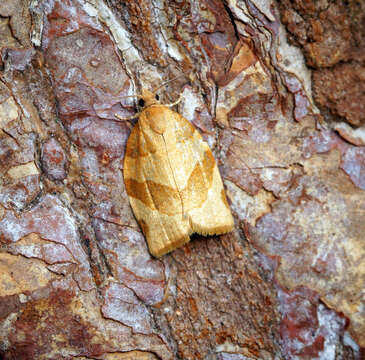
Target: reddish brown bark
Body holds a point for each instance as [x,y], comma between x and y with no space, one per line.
[77,280]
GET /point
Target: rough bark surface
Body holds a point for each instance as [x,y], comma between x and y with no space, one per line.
[77,280]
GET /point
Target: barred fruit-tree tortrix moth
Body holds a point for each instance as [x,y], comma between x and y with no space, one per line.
[172,179]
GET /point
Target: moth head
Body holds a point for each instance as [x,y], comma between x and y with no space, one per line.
[148,98]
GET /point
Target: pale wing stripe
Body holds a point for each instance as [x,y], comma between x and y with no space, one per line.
[159,219]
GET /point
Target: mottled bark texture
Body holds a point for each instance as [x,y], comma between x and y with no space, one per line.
[277,91]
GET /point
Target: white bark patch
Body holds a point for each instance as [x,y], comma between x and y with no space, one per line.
[24,170]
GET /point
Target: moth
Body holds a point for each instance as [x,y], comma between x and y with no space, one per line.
[172,179]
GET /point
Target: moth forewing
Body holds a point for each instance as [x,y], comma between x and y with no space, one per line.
[172,180]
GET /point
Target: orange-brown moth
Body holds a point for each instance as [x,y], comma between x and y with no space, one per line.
[172,179]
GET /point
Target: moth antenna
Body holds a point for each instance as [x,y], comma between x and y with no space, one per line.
[166,82]
[131,96]
[174,103]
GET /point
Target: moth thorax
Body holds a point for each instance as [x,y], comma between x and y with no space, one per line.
[156,117]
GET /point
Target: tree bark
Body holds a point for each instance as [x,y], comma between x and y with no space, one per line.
[277,91]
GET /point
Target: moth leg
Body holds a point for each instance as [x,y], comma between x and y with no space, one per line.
[127,117]
[174,103]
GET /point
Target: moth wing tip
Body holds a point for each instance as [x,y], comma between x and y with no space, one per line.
[218,230]
[158,251]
